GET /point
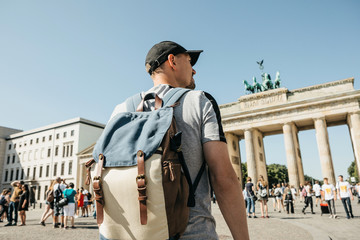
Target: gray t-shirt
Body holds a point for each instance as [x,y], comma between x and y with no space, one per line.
[198,118]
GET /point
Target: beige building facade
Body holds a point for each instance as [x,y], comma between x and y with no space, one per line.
[281,111]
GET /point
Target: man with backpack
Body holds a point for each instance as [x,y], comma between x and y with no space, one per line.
[59,187]
[203,146]
[14,203]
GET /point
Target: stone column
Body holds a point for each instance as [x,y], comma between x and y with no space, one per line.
[259,153]
[250,156]
[354,128]
[291,154]
[322,139]
[298,155]
[234,154]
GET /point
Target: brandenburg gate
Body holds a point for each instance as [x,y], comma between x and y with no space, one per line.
[277,111]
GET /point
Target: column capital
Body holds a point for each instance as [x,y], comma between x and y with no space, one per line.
[288,123]
[354,112]
[319,118]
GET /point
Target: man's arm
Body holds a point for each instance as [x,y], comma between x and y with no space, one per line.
[14,183]
[227,188]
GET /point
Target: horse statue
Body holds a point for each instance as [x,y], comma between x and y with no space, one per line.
[277,81]
[257,86]
[248,87]
[267,84]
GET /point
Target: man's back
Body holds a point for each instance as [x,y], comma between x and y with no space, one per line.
[197,120]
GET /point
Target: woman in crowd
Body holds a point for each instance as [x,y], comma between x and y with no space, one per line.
[301,187]
[250,196]
[69,209]
[80,202]
[49,209]
[279,197]
[24,203]
[288,199]
[272,196]
[5,199]
[263,188]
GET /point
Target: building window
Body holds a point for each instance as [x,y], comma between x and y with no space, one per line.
[71,150]
[24,144]
[67,150]
[29,156]
[8,159]
[47,170]
[62,168]
[22,174]
[6,175]
[64,136]
[37,140]
[63,151]
[55,169]
[13,159]
[72,133]
[9,146]
[50,137]
[57,136]
[43,139]
[49,152]
[34,172]
[14,145]
[39,193]
[40,172]
[31,142]
[70,168]
[28,173]
[11,175]
[56,150]
[17,174]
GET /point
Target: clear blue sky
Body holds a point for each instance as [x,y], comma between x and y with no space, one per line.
[64,59]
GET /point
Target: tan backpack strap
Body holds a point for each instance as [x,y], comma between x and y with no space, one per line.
[88,166]
[141,183]
[98,191]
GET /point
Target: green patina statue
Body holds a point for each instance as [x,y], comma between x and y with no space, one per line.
[266,84]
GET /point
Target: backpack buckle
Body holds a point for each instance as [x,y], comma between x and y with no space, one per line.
[141,176]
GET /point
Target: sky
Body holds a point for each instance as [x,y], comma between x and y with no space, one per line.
[65,59]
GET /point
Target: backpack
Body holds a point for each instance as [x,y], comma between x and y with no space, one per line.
[50,196]
[58,193]
[142,186]
[277,193]
[262,191]
[89,196]
[2,201]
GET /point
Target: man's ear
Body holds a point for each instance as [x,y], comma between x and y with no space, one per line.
[171,61]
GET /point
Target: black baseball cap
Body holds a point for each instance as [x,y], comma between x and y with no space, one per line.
[159,53]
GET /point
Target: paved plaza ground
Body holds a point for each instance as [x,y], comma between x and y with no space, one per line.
[278,226]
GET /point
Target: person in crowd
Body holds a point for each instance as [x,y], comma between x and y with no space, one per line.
[317,191]
[288,199]
[345,194]
[279,197]
[272,196]
[307,193]
[80,201]
[294,193]
[86,200]
[329,195]
[357,188]
[4,202]
[69,209]
[263,189]
[14,203]
[59,187]
[24,203]
[250,197]
[90,201]
[49,208]
[302,198]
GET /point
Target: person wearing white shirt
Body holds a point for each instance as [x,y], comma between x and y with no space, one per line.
[59,187]
[317,190]
[86,200]
[329,196]
[343,187]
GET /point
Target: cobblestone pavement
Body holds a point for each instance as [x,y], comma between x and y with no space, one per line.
[278,226]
